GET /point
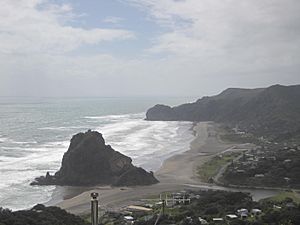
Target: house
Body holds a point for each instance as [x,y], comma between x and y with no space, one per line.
[256,211]
[218,220]
[202,221]
[259,175]
[190,219]
[243,212]
[231,216]
[129,219]
[180,197]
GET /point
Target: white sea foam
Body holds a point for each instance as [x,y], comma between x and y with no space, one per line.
[17,172]
[112,118]
[4,139]
[144,140]
[23,142]
[148,143]
[8,140]
[63,144]
[66,128]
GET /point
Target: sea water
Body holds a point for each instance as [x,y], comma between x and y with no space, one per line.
[35,133]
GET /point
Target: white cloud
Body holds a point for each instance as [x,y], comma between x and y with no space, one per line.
[238,32]
[214,44]
[204,47]
[39,26]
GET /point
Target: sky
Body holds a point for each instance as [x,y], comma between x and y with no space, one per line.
[146,47]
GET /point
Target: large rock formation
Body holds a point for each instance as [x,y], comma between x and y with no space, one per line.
[161,112]
[272,111]
[89,161]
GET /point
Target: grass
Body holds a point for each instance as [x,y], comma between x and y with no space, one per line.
[284,195]
[212,167]
[86,217]
[228,136]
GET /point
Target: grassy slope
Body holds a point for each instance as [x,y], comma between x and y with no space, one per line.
[284,195]
[211,168]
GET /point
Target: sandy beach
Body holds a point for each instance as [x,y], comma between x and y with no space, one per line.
[177,173]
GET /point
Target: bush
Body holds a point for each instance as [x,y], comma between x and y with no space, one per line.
[39,215]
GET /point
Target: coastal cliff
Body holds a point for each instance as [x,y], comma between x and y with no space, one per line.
[272,111]
[89,161]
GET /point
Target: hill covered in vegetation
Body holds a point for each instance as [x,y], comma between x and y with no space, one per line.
[40,215]
[273,112]
[218,207]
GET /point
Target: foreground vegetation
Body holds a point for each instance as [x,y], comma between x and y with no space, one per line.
[204,208]
[40,215]
[209,205]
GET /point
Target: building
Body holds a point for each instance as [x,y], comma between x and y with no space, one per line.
[231,216]
[129,219]
[256,211]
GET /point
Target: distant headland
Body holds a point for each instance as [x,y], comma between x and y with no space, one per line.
[272,112]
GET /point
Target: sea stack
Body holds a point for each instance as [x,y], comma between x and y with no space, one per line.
[89,161]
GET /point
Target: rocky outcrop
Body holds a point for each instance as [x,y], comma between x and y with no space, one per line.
[89,161]
[160,112]
[134,176]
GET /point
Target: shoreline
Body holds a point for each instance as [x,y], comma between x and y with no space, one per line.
[176,173]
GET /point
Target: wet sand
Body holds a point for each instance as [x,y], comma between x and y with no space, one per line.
[177,173]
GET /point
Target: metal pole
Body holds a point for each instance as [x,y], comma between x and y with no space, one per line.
[163,207]
[94,208]
[166,199]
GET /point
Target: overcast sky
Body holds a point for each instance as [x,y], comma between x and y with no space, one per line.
[146,47]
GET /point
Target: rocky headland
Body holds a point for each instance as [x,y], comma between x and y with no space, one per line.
[89,161]
[272,112]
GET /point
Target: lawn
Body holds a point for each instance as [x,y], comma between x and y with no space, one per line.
[283,195]
[211,168]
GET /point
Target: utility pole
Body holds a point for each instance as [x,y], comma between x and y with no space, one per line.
[94,208]
[162,212]
[166,199]
[163,206]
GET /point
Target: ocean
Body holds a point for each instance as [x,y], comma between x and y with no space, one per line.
[35,133]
